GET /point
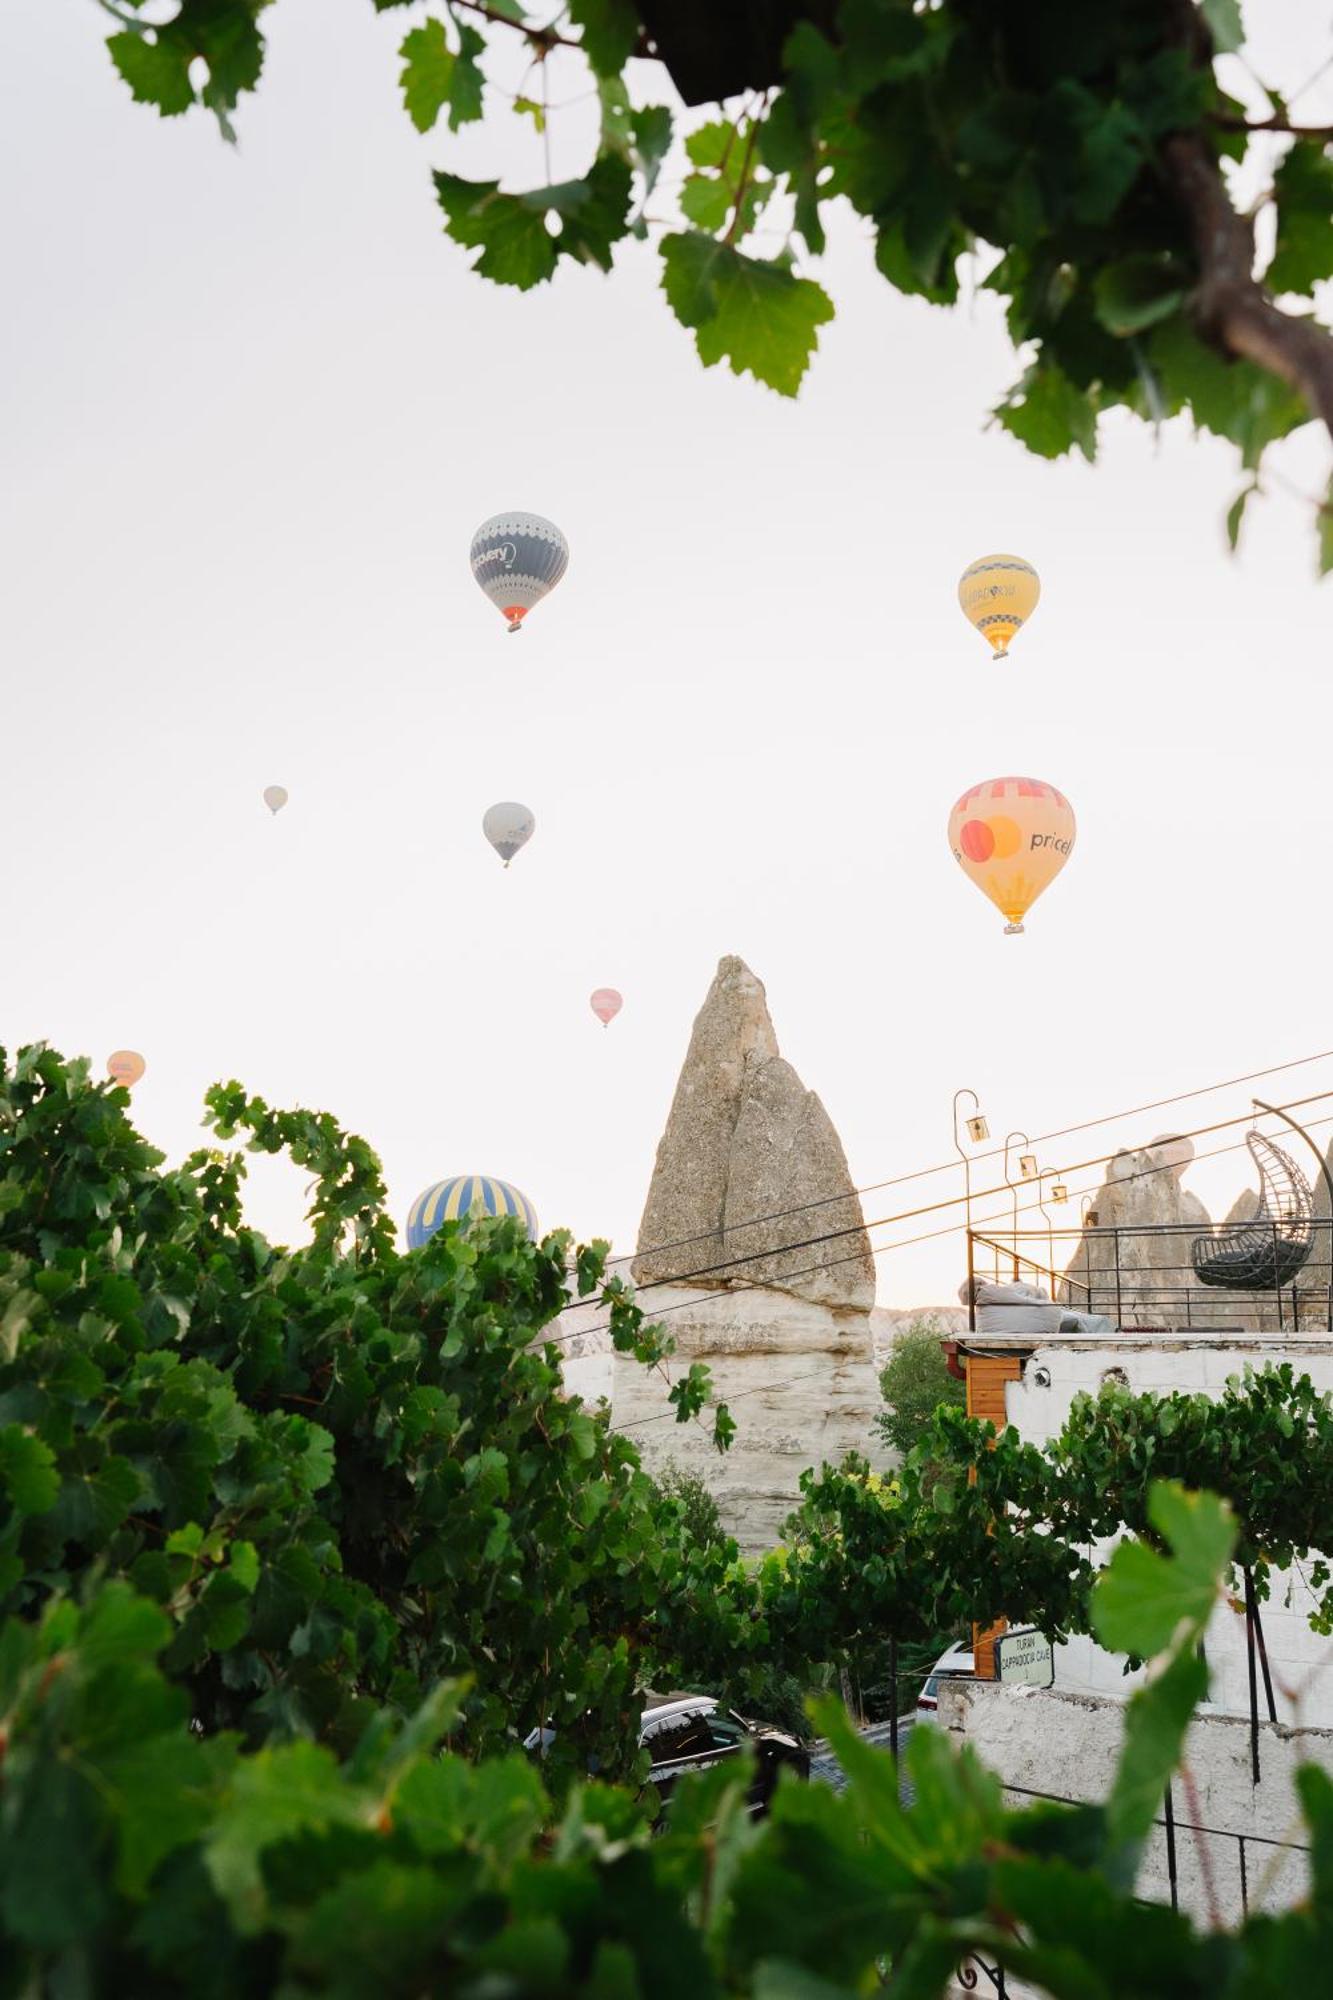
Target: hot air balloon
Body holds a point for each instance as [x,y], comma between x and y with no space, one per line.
[998,594]
[517,559]
[1012,836]
[508,827]
[125,1067]
[275,797]
[463,1196]
[606,1003]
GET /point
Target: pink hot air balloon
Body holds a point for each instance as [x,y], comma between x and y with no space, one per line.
[606,1003]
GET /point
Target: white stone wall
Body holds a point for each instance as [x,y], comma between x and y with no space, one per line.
[1302,1664]
[1067,1745]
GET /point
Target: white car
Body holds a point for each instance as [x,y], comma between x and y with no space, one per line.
[956,1664]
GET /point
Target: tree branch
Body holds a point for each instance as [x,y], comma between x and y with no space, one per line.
[1228,123]
[1230,308]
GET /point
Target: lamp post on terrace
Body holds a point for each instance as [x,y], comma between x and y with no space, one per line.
[978,1131]
[1027,1170]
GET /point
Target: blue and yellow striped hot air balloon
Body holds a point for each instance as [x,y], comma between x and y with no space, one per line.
[465,1195]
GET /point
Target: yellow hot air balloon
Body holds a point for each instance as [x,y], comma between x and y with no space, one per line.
[998,594]
[125,1066]
[1012,836]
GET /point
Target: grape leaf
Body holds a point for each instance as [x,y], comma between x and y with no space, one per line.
[157,71]
[757,316]
[610,32]
[428,73]
[510,230]
[28,1470]
[1049,414]
[516,248]
[1303,193]
[1236,514]
[1138,291]
[1224,24]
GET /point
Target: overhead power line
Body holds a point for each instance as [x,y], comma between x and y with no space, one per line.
[928,1208]
[931,1235]
[992,1153]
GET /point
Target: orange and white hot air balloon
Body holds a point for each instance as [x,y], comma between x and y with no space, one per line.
[998,595]
[1012,836]
[125,1067]
[606,1003]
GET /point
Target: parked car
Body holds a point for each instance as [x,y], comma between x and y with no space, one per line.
[956,1664]
[693,1732]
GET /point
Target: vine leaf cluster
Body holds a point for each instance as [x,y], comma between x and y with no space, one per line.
[1084,156]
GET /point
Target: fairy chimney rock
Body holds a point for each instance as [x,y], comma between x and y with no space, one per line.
[749,1169]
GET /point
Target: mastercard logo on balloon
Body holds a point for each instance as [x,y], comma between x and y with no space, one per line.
[1012,836]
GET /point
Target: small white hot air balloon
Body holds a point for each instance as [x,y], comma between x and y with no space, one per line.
[275,797]
[508,827]
[606,1003]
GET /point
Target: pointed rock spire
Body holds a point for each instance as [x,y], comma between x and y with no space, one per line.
[750,1167]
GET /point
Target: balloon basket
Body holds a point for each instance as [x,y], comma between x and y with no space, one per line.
[1013,930]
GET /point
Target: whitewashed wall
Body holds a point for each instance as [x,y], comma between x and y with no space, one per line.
[1068,1744]
[1302,1664]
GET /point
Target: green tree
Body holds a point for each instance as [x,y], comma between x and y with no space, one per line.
[700,1520]
[914,1382]
[138,1857]
[1084,151]
[343,1475]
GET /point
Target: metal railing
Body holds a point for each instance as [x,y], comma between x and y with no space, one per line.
[1244,1845]
[1145,1276]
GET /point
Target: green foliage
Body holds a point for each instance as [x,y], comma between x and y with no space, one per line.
[297,1543]
[514,234]
[700,1521]
[222,36]
[949,130]
[341,1475]
[138,1856]
[1265,1445]
[436,74]
[757,316]
[1303,195]
[914,1382]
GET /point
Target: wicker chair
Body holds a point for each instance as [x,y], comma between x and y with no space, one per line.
[1265,1253]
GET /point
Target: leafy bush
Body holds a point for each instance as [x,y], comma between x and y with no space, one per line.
[137,1856]
[914,1382]
[701,1521]
[342,1475]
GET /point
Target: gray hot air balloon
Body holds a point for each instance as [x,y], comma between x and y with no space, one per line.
[517,559]
[275,797]
[508,827]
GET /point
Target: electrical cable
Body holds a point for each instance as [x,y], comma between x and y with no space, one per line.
[928,1208]
[925,1236]
[994,1153]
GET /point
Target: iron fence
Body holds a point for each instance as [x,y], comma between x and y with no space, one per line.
[1148,1276]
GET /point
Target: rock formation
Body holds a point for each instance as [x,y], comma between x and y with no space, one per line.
[748,1171]
[1156,1284]
[1142,1275]
[749,1163]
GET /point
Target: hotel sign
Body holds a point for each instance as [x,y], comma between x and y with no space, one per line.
[1024,1659]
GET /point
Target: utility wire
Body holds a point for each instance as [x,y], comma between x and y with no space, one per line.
[928,1208]
[930,1235]
[762,1388]
[994,1153]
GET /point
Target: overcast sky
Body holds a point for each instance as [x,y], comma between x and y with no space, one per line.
[254,404]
